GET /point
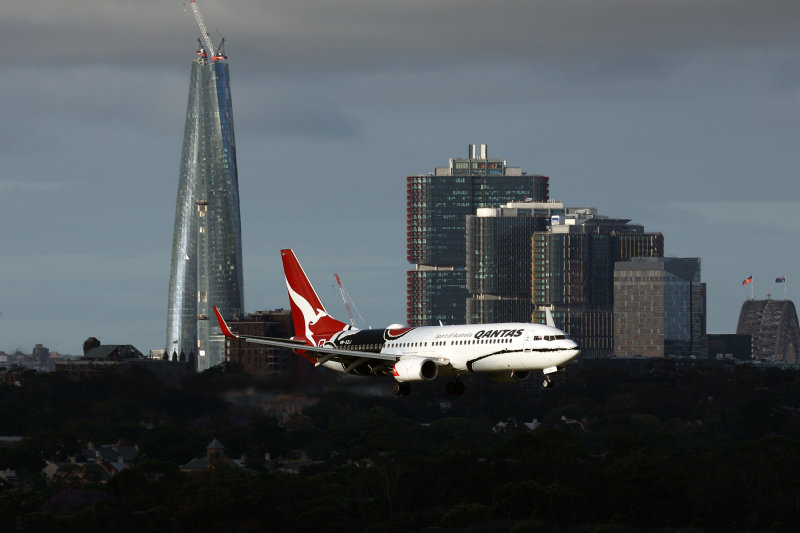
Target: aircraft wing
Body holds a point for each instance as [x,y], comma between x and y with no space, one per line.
[327,352]
[300,345]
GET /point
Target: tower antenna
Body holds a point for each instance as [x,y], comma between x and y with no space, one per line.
[213,52]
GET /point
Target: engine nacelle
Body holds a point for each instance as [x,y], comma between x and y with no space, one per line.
[508,376]
[415,369]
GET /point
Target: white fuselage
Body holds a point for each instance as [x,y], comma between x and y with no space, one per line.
[477,348]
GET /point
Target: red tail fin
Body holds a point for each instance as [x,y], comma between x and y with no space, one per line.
[311,320]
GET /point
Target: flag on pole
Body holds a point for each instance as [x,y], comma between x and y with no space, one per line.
[780,279]
[749,279]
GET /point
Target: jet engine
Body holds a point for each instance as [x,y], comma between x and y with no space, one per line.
[508,376]
[415,369]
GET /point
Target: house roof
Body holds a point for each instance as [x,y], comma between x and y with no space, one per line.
[113,351]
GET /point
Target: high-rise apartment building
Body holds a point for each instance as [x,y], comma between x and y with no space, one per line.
[206,266]
[437,206]
[499,259]
[659,307]
[573,273]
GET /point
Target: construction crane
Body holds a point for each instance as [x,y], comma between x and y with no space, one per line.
[215,53]
[347,302]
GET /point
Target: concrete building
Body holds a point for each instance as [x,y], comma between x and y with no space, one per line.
[659,307]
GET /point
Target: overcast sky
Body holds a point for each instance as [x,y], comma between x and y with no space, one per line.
[683,115]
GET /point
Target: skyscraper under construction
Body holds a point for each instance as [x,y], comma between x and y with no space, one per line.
[206,266]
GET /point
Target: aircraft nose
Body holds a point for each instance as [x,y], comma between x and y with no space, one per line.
[574,350]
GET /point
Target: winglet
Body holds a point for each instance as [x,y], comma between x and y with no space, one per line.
[222,325]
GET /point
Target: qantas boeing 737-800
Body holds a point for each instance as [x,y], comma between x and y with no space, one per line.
[506,352]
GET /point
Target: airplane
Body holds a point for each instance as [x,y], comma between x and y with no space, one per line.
[506,352]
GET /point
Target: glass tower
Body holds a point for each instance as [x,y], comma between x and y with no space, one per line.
[573,273]
[499,259]
[206,266]
[436,211]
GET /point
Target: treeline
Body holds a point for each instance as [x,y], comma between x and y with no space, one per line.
[669,447]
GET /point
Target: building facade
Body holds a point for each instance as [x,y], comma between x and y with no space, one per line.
[727,346]
[573,273]
[499,259]
[659,307]
[206,266]
[437,206]
[262,360]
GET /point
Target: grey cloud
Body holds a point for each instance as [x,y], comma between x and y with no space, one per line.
[314,120]
[279,109]
[760,216]
[354,35]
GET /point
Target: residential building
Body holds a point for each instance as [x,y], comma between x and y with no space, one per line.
[260,359]
[215,457]
[41,355]
[270,363]
[118,358]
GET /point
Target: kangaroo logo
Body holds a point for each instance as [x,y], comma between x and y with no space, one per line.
[310,315]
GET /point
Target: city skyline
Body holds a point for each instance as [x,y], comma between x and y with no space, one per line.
[680,116]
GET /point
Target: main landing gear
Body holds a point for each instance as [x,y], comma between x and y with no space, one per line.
[547,383]
[454,388]
[401,389]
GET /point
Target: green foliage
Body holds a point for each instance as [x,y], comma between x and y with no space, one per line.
[18,502]
[463,515]
[147,485]
[173,443]
[667,448]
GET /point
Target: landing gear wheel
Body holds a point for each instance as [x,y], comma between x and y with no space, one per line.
[547,383]
[454,388]
[401,389]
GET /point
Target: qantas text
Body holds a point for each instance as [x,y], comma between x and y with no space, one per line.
[494,333]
